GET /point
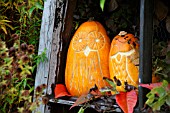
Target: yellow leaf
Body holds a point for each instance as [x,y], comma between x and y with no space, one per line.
[5,21]
[4,29]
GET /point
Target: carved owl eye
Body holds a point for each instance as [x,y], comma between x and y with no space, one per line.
[95,40]
[79,41]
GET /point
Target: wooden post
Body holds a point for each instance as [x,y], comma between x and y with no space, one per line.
[46,33]
[146,34]
[54,37]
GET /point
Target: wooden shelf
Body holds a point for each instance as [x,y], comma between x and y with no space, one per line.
[101,104]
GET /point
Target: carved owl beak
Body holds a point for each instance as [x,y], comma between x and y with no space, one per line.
[87,51]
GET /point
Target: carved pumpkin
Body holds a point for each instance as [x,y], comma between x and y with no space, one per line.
[87,59]
[124,61]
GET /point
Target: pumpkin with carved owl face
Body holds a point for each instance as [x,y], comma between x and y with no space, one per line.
[124,61]
[87,59]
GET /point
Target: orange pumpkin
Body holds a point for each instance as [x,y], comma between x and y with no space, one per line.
[124,60]
[87,59]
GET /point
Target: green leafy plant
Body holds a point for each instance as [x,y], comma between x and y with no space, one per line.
[102,2]
[24,18]
[158,96]
[16,83]
[41,58]
[161,64]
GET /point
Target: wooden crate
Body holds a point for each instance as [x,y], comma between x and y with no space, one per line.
[55,37]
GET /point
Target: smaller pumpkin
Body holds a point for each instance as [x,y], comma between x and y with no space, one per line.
[124,61]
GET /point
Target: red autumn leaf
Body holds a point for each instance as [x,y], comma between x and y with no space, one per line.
[127,101]
[60,91]
[153,85]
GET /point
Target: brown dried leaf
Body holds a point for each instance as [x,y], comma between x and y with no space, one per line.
[168,24]
[82,99]
[161,10]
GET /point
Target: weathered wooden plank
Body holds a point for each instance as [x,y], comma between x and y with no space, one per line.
[63,21]
[56,16]
[146,34]
[45,41]
[64,37]
[56,45]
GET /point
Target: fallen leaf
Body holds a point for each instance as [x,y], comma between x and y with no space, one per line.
[60,91]
[127,101]
[93,94]
[82,99]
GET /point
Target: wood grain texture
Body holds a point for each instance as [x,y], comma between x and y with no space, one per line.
[45,41]
[54,20]
[146,35]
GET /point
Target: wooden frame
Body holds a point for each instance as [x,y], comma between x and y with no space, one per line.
[146,36]
[46,35]
[55,37]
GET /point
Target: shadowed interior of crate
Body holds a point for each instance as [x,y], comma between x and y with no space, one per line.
[100,105]
[65,38]
[64,41]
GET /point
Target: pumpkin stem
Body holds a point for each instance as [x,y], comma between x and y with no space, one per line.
[122,33]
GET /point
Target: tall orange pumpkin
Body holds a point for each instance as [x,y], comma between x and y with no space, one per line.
[87,59]
[124,60]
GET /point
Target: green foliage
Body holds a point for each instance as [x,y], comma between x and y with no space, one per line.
[5,23]
[22,17]
[40,58]
[15,79]
[84,107]
[159,96]
[20,23]
[161,60]
[81,110]
[102,2]
[112,88]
